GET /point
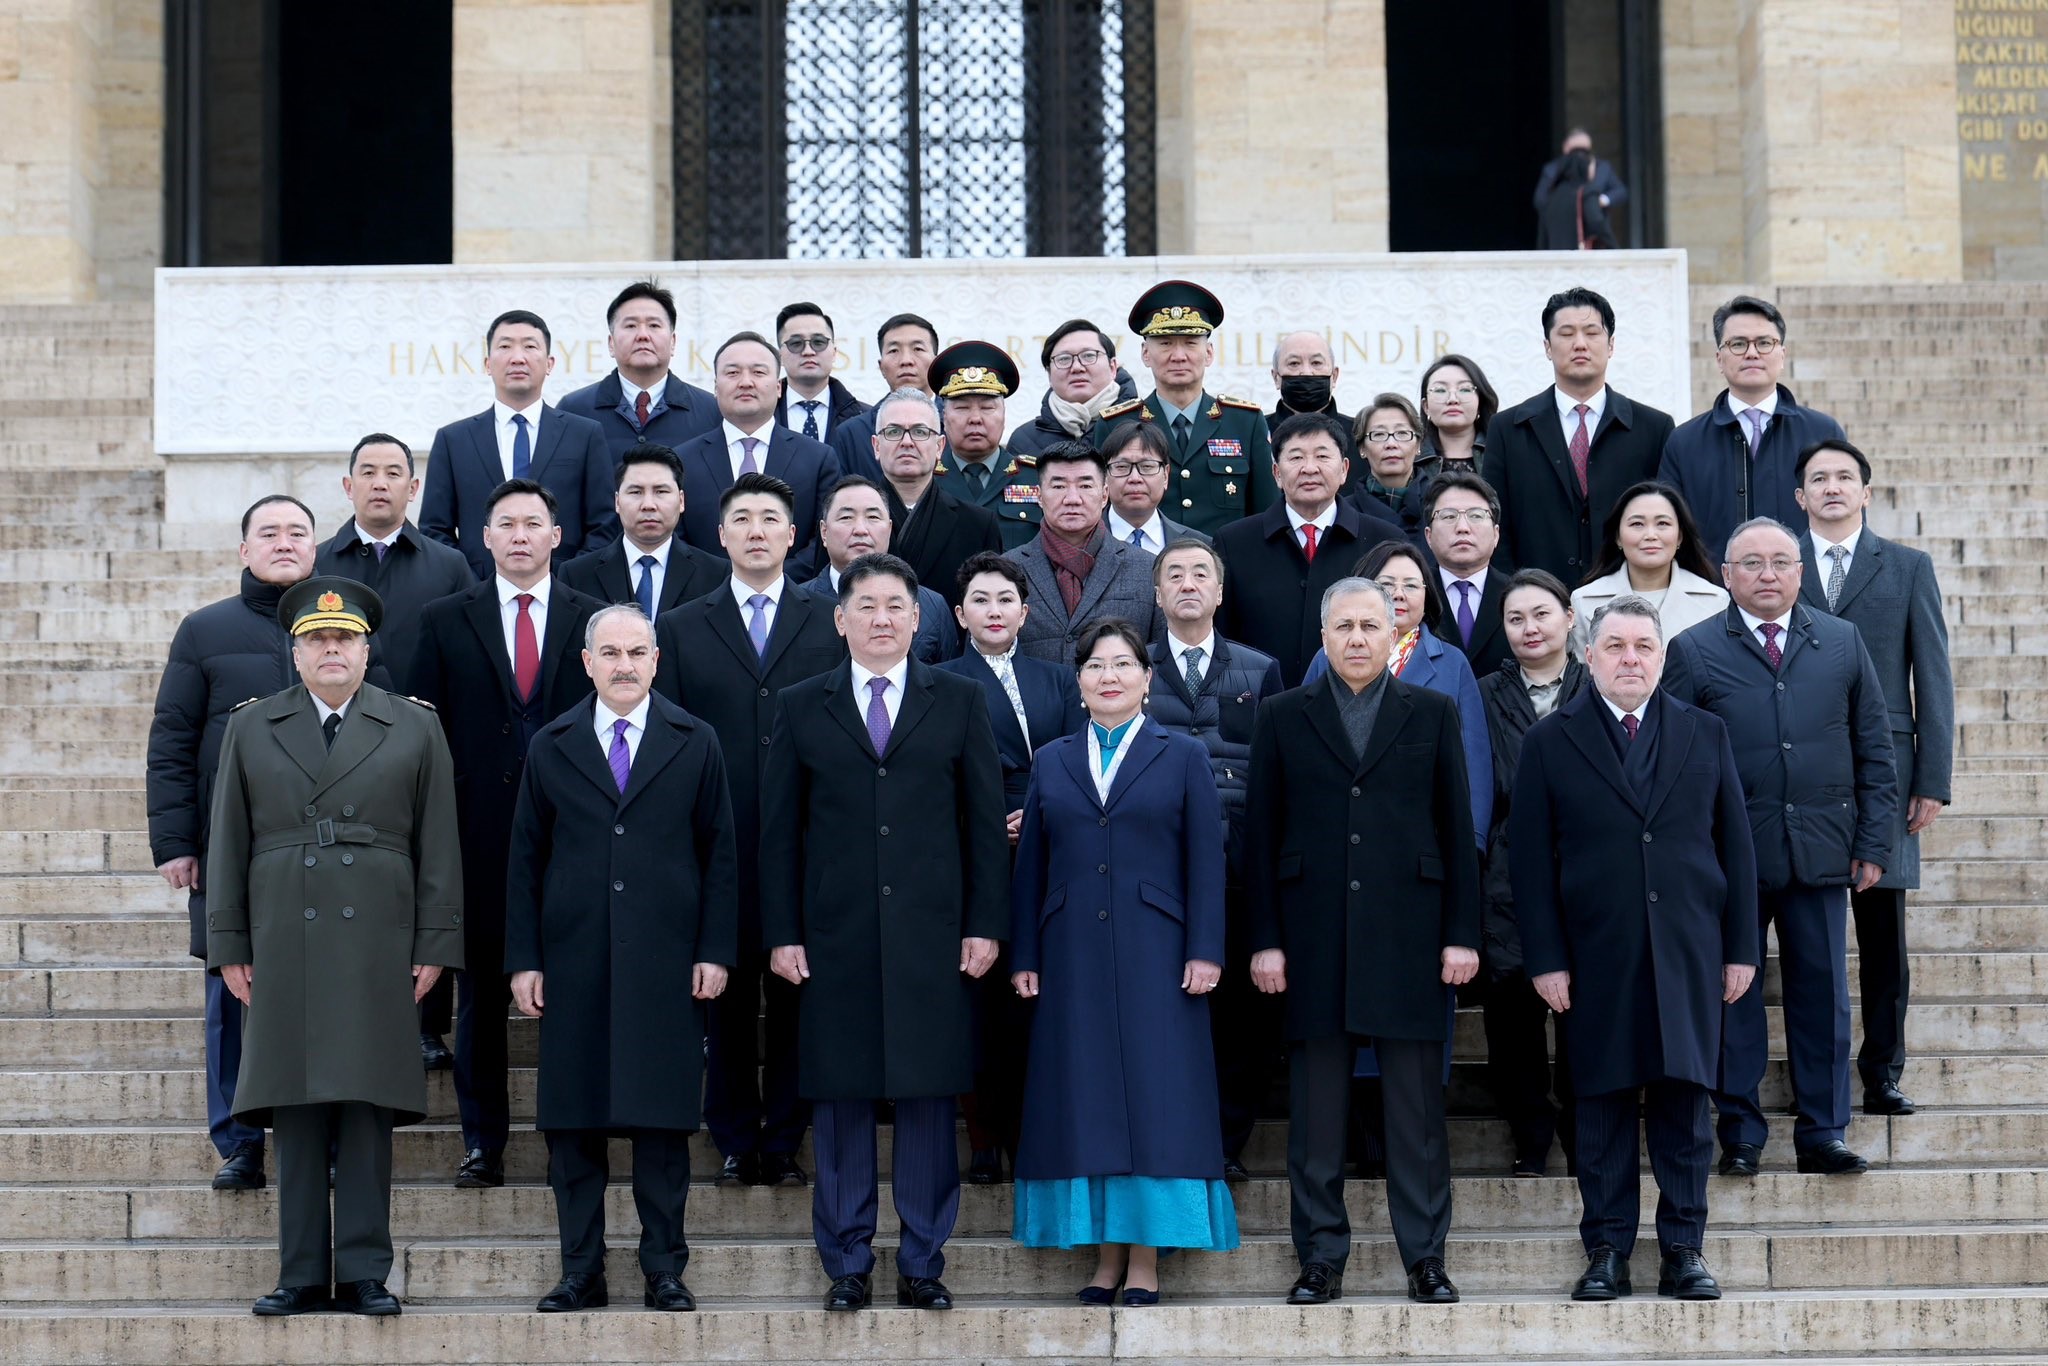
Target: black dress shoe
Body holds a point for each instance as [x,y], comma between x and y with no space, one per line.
[1887,1099]
[1136,1299]
[1529,1167]
[1318,1283]
[923,1292]
[1832,1159]
[1096,1294]
[848,1292]
[1684,1276]
[1606,1277]
[434,1055]
[1427,1283]
[576,1290]
[741,1169]
[780,1169]
[1741,1159]
[665,1290]
[243,1171]
[985,1167]
[481,1167]
[1234,1172]
[292,1299]
[366,1297]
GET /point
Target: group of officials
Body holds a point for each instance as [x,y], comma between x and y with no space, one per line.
[1068,780]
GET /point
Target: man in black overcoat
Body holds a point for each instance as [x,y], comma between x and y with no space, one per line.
[1363,883]
[711,666]
[1635,891]
[497,663]
[884,892]
[619,907]
[935,532]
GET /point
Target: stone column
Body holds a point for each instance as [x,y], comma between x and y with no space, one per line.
[1703,136]
[562,149]
[1272,126]
[1849,141]
[49,148]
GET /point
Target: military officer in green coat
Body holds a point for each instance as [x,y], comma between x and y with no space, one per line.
[1223,466]
[974,378]
[335,901]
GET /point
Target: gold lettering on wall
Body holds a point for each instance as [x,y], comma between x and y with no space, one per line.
[2001,129]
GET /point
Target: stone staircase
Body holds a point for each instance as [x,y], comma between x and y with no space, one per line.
[112,1247]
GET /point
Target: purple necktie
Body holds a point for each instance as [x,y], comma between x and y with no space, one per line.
[381,548]
[757,624]
[1582,447]
[878,716]
[1464,610]
[621,757]
[1629,724]
[747,445]
[1771,650]
[1755,418]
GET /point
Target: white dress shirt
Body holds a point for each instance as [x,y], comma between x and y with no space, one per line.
[1768,407]
[636,726]
[633,569]
[892,696]
[508,612]
[1179,651]
[507,432]
[1323,521]
[795,412]
[1155,530]
[1569,420]
[327,711]
[741,592]
[1821,545]
[1755,625]
[1478,582]
[631,392]
[1618,713]
[386,541]
[737,453]
[1105,778]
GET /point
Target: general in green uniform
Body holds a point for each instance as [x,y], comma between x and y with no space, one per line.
[335,901]
[1223,464]
[974,378]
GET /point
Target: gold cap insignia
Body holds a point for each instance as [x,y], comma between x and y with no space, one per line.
[329,602]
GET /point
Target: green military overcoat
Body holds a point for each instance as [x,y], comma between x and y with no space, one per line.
[331,873]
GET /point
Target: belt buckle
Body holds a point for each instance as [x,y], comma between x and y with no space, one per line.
[324,831]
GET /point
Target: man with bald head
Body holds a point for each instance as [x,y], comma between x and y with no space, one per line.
[1812,738]
[1305,372]
[1363,883]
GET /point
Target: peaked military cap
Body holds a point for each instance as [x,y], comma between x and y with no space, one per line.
[329,602]
[973,367]
[1176,308]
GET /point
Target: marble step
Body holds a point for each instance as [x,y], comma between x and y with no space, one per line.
[88,894]
[74,851]
[218,566]
[135,940]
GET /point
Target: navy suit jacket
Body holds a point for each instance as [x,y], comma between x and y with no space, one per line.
[1052,708]
[807,466]
[569,460]
[606,575]
[683,412]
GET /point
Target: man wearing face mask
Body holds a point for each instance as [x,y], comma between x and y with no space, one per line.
[1307,381]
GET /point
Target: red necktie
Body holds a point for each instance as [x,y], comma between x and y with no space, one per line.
[1629,724]
[525,651]
[1582,447]
[1771,650]
[640,410]
[1308,542]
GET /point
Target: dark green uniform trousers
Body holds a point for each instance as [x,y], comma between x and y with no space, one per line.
[359,1230]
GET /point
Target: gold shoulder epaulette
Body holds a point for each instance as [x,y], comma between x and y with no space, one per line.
[1029,462]
[241,704]
[1229,401]
[416,701]
[1119,409]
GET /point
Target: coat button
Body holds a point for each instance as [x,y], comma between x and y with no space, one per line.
[507,728]
[618,886]
[1653,896]
[885,829]
[764,692]
[347,859]
[348,913]
[1102,820]
[1354,839]
[1785,744]
[348,811]
[312,811]
[1187,474]
[310,860]
[1789,809]
[887,890]
[1186,502]
[618,830]
[1781,687]
[1354,884]
[1354,792]
[310,913]
[1101,867]
[881,773]
[764,739]
[1102,915]
[453,920]
[508,778]
[1646,837]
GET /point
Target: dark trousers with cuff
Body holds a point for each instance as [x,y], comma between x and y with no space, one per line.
[358,1230]
[1681,1142]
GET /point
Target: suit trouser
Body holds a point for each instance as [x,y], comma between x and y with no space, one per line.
[224,1067]
[1518,1070]
[437,1008]
[1813,930]
[994,1110]
[751,1103]
[1681,1141]
[360,1226]
[579,1169]
[927,1183]
[482,1051]
[1418,1146]
[1247,1028]
[1886,981]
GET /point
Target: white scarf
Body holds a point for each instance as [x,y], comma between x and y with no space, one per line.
[1077,418]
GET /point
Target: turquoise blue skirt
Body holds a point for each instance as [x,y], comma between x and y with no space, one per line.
[1151,1211]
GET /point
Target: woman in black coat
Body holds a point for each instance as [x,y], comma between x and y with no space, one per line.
[1572,218]
[1541,676]
[1117,933]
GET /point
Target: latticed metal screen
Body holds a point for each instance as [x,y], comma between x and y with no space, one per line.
[884,128]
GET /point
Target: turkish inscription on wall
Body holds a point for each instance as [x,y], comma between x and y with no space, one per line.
[2002,126]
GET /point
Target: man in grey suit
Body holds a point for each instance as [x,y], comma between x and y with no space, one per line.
[1079,573]
[1889,592]
[1139,457]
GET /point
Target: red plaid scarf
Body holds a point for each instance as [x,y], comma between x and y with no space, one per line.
[1071,564]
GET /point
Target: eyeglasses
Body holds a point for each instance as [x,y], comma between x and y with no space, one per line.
[799,345]
[1123,469]
[894,432]
[1742,346]
[1405,586]
[1754,565]
[1067,360]
[1380,434]
[1096,668]
[1445,390]
[1470,516]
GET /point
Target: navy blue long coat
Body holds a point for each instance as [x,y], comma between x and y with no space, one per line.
[1642,899]
[1108,904]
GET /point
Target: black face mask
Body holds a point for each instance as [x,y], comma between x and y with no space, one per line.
[1305,393]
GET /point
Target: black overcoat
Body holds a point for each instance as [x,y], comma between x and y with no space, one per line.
[1362,870]
[614,897]
[1641,898]
[1273,595]
[879,868]
[1546,523]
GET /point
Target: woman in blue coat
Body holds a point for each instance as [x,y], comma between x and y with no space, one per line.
[1117,932]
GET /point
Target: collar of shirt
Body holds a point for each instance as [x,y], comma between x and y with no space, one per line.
[327,711]
[741,592]
[1784,623]
[531,410]
[1326,519]
[1618,713]
[992,462]
[634,552]
[631,392]
[1821,544]
[1477,578]
[1167,412]
[1769,406]
[891,696]
[1155,532]
[636,725]
[1531,685]
[386,541]
[1008,656]
[733,436]
[1207,645]
[1566,403]
[508,590]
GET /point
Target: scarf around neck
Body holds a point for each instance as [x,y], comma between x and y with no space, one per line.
[1072,564]
[1077,418]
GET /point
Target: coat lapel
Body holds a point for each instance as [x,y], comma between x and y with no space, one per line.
[790,616]
[917,700]
[727,626]
[1100,577]
[483,437]
[839,703]
[1550,436]
[1674,742]
[660,743]
[1147,742]
[295,721]
[1075,757]
[1394,709]
[1867,564]
[1001,714]
[584,751]
[362,729]
[484,620]
[1325,720]
[1589,733]
[553,640]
